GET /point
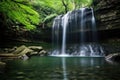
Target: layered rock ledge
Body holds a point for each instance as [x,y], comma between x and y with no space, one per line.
[23,52]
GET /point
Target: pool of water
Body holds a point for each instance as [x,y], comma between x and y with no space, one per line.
[61,68]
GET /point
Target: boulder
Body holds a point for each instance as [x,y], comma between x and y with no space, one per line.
[113,58]
[36,48]
[2,65]
[24,57]
[33,53]
[7,55]
[9,50]
[43,53]
[23,52]
[13,49]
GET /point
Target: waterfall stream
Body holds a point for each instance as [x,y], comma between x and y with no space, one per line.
[75,34]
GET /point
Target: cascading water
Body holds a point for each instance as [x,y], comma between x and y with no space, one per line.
[64,26]
[75,34]
[82,26]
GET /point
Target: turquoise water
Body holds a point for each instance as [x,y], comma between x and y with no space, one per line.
[59,68]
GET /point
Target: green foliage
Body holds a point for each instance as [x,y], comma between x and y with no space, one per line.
[50,17]
[84,3]
[57,6]
[20,12]
[23,11]
[48,9]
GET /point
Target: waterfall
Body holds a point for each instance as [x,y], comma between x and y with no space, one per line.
[75,34]
[82,25]
[94,29]
[64,25]
[55,32]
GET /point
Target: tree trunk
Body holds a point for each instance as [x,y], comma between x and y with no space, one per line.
[65,6]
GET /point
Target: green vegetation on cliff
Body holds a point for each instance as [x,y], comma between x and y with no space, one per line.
[34,12]
[19,12]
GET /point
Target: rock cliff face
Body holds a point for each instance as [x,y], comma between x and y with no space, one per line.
[107,13]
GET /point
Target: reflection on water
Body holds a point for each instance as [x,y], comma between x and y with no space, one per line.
[60,68]
[92,62]
[83,62]
[64,68]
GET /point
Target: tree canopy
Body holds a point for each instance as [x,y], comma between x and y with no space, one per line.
[30,13]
